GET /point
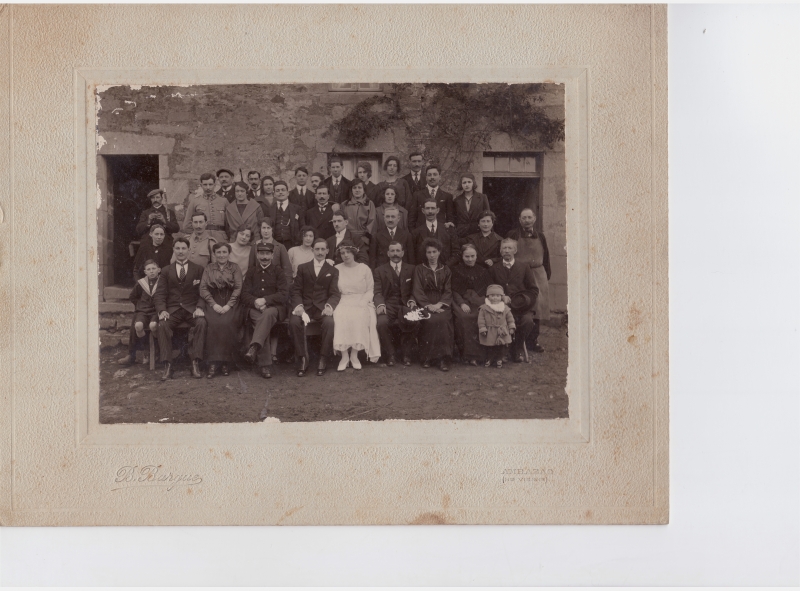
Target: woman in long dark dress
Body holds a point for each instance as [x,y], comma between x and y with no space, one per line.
[431,289]
[220,287]
[158,248]
[469,284]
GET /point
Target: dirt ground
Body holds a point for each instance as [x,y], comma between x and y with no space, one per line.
[518,391]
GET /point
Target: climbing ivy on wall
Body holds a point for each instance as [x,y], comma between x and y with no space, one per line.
[456,119]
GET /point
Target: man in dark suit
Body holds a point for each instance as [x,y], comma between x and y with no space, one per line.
[432,227]
[341,233]
[519,284]
[286,217]
[315,293]
[379,245]
[393,300]
[338,185]
[302,195]
[157,213]
[177,300]
[264,295]
[319,216]
[254,180]
[415,178]
[226,190]
[444,200]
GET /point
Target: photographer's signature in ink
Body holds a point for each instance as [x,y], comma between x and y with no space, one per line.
[152,476]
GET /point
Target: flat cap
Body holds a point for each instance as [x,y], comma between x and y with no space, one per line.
[155,192]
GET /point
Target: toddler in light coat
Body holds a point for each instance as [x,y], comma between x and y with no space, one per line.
[495,325]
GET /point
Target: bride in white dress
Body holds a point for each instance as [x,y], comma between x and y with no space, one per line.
[355,327]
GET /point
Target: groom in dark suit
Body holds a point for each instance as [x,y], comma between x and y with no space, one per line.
[176,301]
[393,300]
[315,292]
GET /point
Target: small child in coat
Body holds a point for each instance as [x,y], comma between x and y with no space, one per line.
[495,325]
[145,314]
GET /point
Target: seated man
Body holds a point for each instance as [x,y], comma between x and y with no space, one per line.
[176,297]
[145,315]
[264,297]
[393,300]
[315,292]
[519,284]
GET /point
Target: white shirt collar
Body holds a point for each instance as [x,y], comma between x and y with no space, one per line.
[508,263]
[431,225]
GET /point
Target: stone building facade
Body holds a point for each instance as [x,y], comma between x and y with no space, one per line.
[177,133]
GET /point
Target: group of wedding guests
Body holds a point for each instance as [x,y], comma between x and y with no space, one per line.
[401,265]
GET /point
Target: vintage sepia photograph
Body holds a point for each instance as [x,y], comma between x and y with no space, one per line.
[331,252]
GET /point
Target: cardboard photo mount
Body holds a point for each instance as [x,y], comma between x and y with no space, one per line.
[606,463]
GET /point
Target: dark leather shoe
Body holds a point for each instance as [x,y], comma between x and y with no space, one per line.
[443,365]
[406,361]
[537,348]
[426,364]
[302,367]
[167,371]
[196,369]
[212,370]
[224,369]
[323,365]
[265,371]
[252,352]
[390,361]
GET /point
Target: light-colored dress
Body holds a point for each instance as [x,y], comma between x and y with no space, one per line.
[299,255]
[354,316]
[240,255]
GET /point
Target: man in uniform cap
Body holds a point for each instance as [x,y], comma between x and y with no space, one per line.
[211,204]
[225,177]
[158,212]
[264,294]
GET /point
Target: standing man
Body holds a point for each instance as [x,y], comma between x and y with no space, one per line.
[316,181]
[393,300]
[286,217]
[212,205]
[315,292]
[432,227]
[264,296]
[225,177]
[338,185]
[157,213]
[415,179]
[519,285]
[254,180]
[200,242]
[319,217]
[532,249]
[379,245]
[444,200]
[302,196]
[176,297]
[341,233]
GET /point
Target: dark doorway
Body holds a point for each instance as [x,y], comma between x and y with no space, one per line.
[508,196]
[133,177]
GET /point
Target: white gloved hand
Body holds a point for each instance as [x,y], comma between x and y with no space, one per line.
[305,318]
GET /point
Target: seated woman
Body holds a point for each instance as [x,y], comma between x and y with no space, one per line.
[402,191]
[390,198]
[469,205]
[432,291]
[305,252]
[487,241]
[158,249]
[242,249]
[359,213]
[469,293]
[220,287]
[355,322]
[242,212]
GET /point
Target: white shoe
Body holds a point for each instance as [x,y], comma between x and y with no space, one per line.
[343,363]
[354,360]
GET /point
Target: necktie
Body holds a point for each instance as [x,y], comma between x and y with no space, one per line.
[416,178]
[397,269]
[183,273]
[433,192]
[391,234]
[322,210]
[433,229]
